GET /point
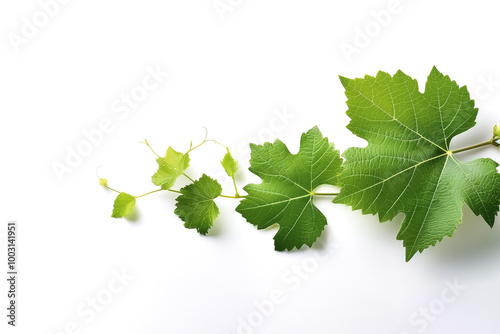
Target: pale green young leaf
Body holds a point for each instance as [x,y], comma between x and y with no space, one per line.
[285,196]
[230,165]
[196,206]
[173,165]
[408,165]
[123,206]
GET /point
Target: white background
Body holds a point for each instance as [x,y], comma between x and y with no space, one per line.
[230,72]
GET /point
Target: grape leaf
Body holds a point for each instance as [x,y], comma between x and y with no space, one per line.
[170,168]
[123,206]
[196,206]
[230,165]
[285,196]
[408,166]
[103,182]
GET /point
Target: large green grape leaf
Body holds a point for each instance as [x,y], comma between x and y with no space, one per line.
[285,196]
[407,165]
[196,206]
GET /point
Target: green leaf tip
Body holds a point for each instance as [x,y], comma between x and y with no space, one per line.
[345,81]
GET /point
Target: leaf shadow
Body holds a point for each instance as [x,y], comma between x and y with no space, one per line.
[217,229]
[134,216]
[322,241]
[473,243]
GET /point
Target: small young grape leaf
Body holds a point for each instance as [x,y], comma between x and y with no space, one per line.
[196,206]
[124,203]
[408,166]
[170,168]
[230,165]
[285,196]
[103,182]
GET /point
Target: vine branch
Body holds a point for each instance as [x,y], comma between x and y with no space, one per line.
[492,141]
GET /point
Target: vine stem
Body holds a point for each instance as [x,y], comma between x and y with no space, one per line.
[146,142]
[235,188]
[116,191]
[190,179]
[492,141]
[154,191]
[234,197]
[205,140]
[173,191]
[325,194]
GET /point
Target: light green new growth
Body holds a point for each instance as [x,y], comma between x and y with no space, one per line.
[496,131]
[196,206]
[408,165]
[230,165]
[173,165]
[285,196]
[103,182]
[123,206]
